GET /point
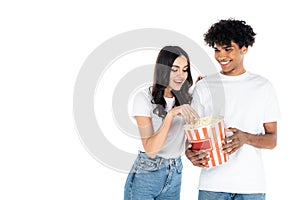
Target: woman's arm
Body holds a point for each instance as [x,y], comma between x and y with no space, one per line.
[154,141]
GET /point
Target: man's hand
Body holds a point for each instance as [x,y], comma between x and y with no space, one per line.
[235,141]
[200,78]
[197,157]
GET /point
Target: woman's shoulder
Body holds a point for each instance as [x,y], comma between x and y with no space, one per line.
[144,94]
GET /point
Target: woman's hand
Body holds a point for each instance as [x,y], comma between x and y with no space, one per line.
[185,110]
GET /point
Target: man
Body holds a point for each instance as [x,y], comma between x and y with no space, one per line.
[250,109]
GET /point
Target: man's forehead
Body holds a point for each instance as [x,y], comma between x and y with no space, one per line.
[222,45]
[225,45]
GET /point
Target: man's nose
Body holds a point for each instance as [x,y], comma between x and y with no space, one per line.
[222,55]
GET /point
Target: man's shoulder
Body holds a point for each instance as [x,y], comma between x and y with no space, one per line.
[258,78]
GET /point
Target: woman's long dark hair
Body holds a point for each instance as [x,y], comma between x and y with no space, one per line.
[164,63]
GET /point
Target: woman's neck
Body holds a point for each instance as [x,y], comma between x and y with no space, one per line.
[168,93]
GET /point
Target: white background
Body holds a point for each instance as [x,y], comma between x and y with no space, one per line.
[42,48]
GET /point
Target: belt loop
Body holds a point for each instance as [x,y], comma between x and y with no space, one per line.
[172,162]
[160,161]
[177,163]
[139,153]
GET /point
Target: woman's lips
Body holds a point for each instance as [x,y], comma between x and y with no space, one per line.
[178,81]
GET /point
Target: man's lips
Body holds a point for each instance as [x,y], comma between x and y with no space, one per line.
[224,62]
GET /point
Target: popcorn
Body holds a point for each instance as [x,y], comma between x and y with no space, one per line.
[207,134]
[203,122]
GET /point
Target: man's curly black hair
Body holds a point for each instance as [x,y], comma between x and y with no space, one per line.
[224,32]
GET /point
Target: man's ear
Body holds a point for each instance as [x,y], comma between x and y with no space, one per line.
[244,50]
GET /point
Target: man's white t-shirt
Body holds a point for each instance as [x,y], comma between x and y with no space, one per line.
[175,143]
[247,102]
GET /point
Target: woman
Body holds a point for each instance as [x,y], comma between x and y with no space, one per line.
[160,112]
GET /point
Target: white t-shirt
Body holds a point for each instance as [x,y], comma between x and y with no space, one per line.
[175,143]
[246,102]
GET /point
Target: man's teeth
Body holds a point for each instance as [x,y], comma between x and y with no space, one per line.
[224,62]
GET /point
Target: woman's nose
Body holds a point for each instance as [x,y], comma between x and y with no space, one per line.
[181,73]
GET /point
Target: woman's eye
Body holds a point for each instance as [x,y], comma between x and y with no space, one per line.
[176,70]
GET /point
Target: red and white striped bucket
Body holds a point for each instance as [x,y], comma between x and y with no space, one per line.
[207,134]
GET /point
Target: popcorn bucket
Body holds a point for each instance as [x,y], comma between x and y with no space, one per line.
[207,134]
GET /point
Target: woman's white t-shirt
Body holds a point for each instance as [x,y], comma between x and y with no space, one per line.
[175,143]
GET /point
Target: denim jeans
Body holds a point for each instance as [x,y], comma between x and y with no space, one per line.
[154,178]
[209,195]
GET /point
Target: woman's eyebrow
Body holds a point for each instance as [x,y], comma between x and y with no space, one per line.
[178,66]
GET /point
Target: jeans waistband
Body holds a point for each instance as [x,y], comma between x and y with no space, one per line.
[160,161]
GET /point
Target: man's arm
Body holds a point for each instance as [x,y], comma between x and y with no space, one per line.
[239,138]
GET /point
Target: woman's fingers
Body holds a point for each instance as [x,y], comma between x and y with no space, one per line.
[189,113]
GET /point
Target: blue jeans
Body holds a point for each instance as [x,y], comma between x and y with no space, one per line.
[209,195]
[154,178]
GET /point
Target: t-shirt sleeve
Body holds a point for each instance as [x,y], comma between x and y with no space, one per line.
[272,111]
[196,101]
[141,105]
